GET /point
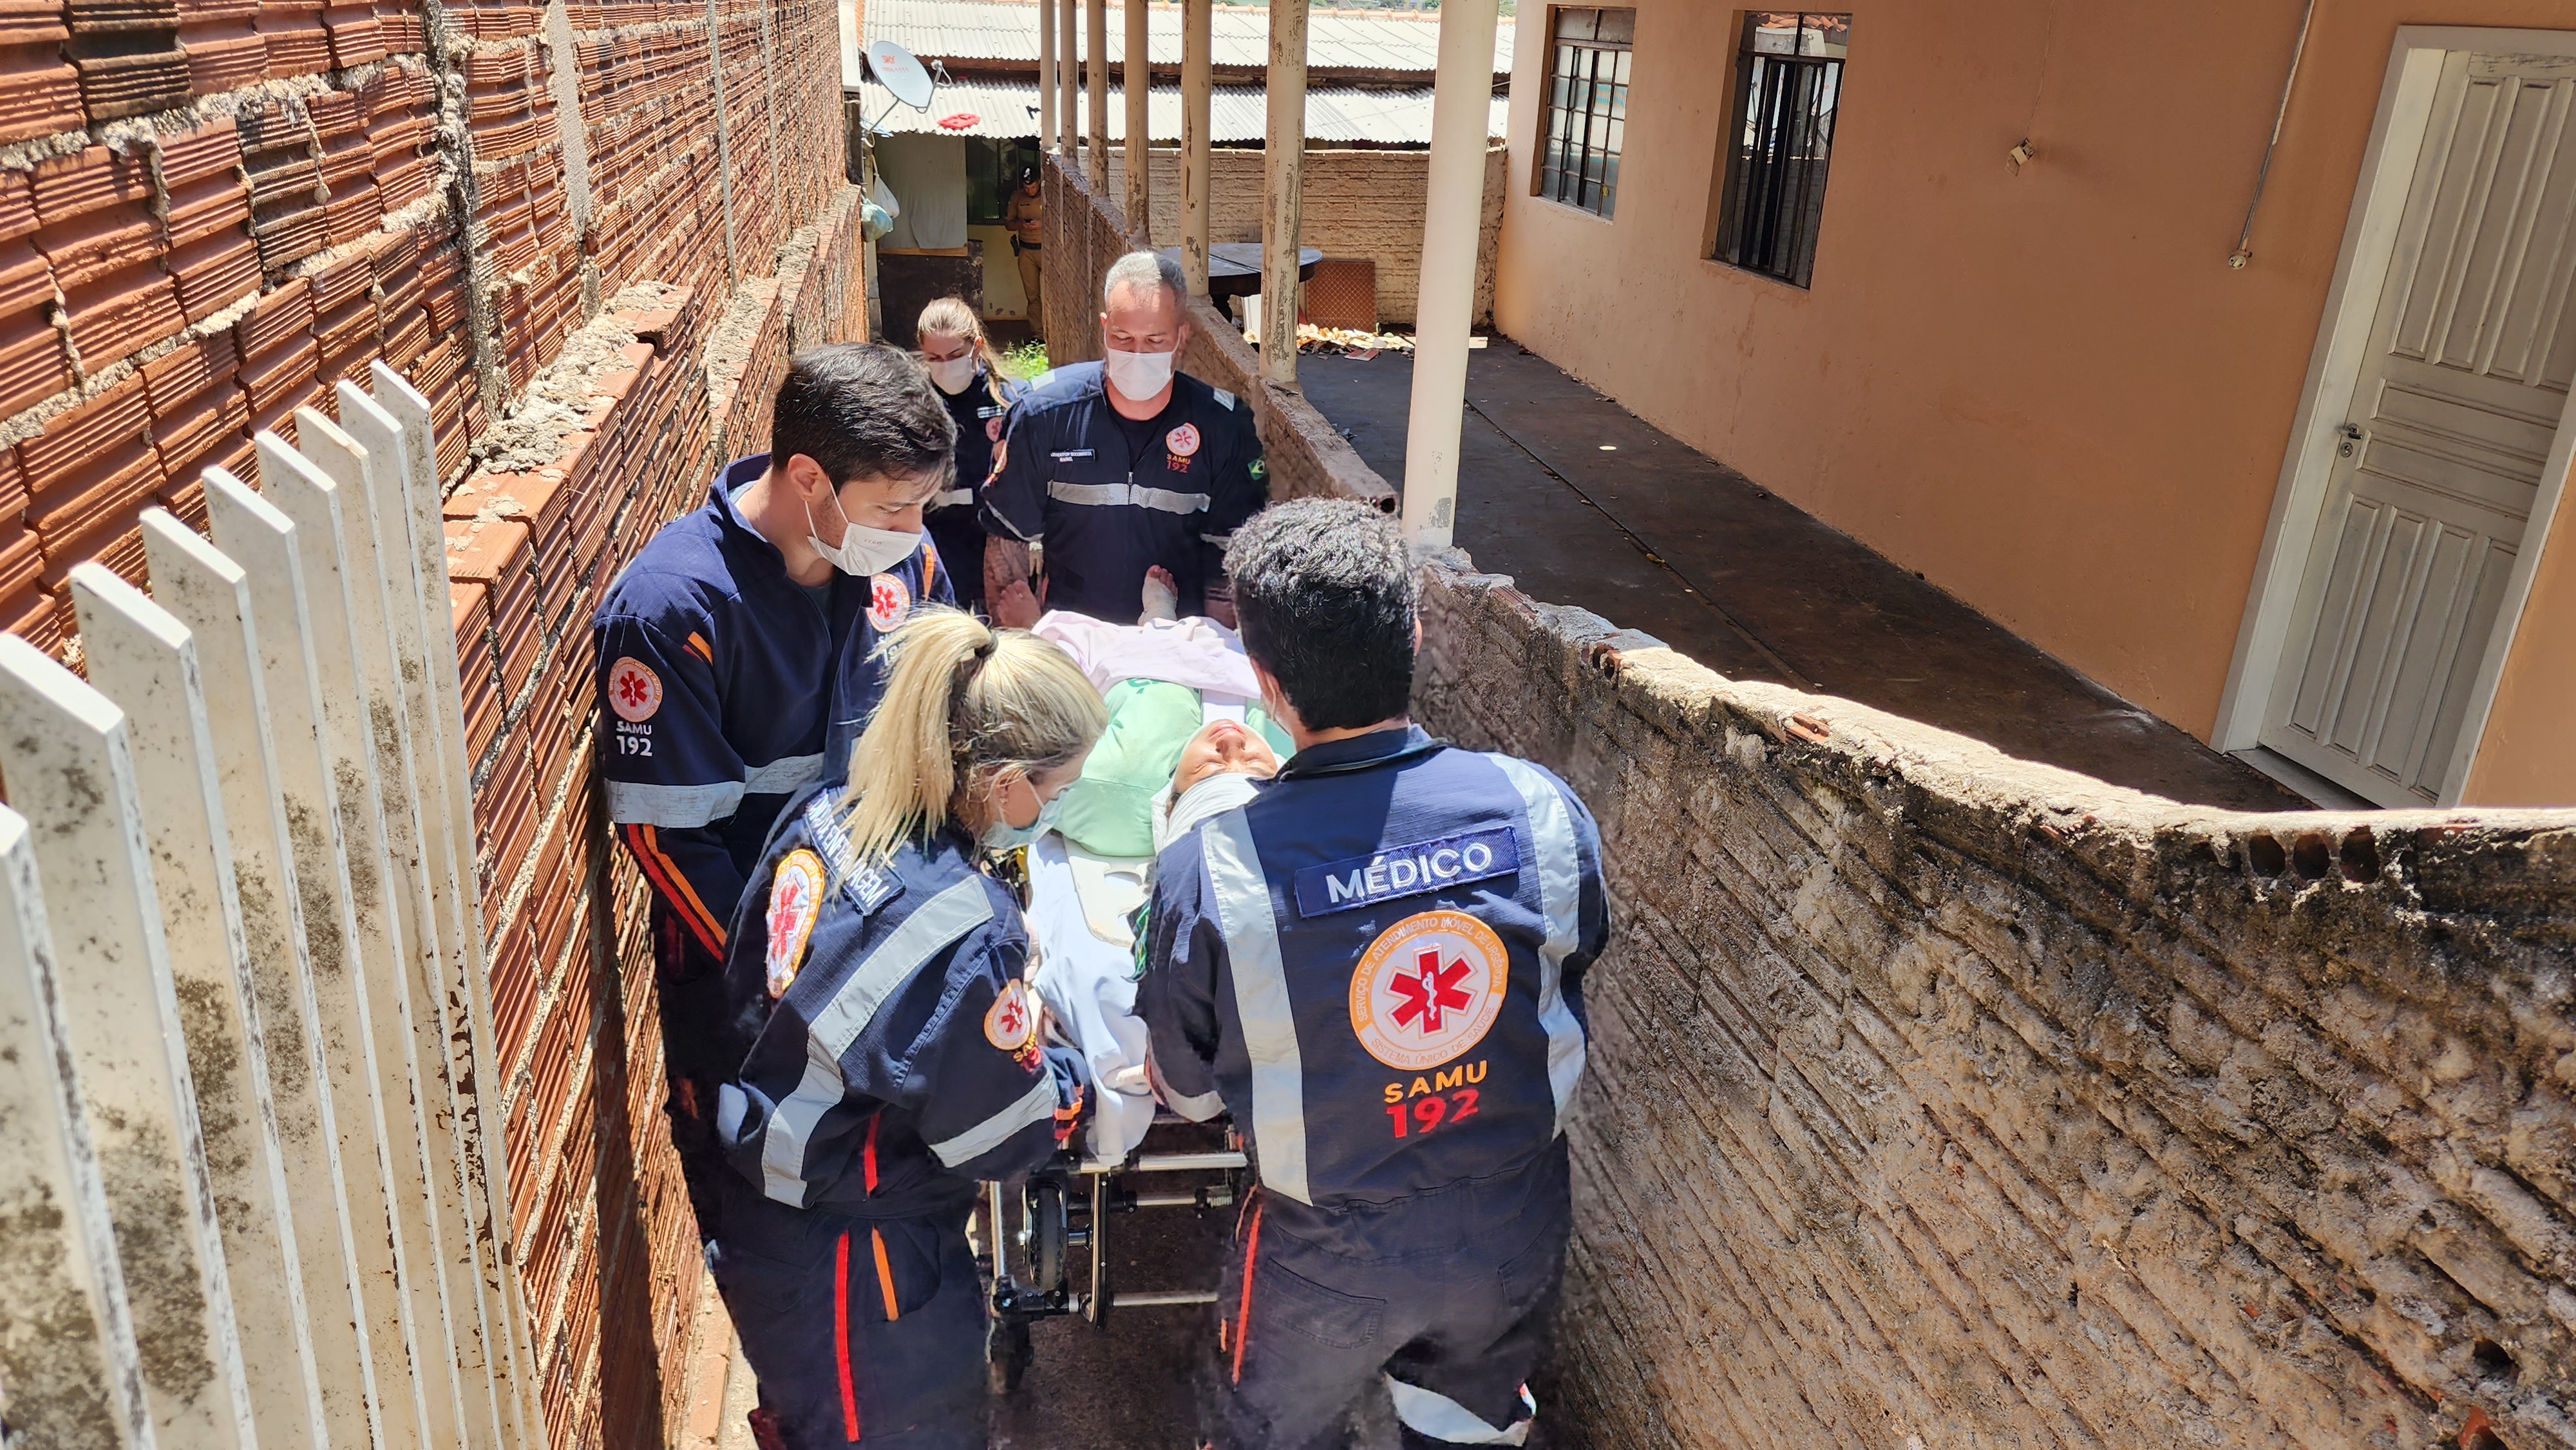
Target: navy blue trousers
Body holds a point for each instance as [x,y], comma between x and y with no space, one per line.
[861,1331]
[1447,1297]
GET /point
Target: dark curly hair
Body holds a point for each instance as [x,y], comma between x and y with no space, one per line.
[1327,598]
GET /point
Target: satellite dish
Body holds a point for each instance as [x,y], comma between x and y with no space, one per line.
[900,73]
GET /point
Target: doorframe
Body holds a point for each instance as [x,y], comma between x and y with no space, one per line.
[2397,137]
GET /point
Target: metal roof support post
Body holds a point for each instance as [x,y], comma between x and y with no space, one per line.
[1095,86]
[1284,182]
[1445,310]
[1046,76]
[1197,76]
[1067,94]
[1137,63]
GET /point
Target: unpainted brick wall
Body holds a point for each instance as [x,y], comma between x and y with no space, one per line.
[1359,204]
[589,232]
[1941,1099]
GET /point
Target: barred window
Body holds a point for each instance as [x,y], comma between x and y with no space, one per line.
[1587,107]
[1789,72]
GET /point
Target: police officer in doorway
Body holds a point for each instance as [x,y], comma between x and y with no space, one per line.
[1024,215]
[968,373]
[1121,467]
[1374,964]
[736,659]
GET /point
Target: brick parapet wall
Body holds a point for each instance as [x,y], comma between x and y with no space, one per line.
[1360,205]
[213,211]
[1940,1098]
[1305,454]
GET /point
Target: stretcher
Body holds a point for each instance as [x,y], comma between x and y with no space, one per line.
[1043,1242]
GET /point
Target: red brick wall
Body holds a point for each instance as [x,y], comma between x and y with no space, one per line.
[211,211]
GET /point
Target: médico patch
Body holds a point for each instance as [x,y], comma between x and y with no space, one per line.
[795,904]
[1428,989]
[634,691]
[1407,870]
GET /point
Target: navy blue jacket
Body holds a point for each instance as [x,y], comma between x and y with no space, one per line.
[889,1046]
[1376,965]
[724,689]
[954,519]
[1106,512]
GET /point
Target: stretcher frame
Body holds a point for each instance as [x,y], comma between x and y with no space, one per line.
[1065,1212]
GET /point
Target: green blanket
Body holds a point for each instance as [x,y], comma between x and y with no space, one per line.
[1110,810]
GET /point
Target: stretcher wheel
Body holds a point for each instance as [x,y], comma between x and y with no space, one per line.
[1047,1235]
[1007,1353]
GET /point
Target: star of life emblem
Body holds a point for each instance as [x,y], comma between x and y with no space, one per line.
[888,602]
[634,691]
[1428,989]
[1184,440]
[795,903]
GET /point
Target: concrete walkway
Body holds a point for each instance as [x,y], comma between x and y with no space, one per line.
[1585,504]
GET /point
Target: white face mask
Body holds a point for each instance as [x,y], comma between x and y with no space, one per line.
[953,375]
[862,551]
[1138,376]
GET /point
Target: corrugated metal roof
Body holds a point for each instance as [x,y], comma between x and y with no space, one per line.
[1007,30]
[1005,109]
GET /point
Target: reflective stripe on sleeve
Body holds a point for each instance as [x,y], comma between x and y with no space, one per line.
[941,920]
[784,776]
[1436,1416]
[1037,1105]
[1111,495]
[675,806]
[1560,888]
[951,498]
[1198,1108]
[1261,1001]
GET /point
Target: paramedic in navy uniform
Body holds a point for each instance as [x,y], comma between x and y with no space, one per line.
[1374,964]
[977,394]
[1122,466]
[736,662]
[892,1054]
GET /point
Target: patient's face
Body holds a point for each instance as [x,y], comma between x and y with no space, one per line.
[1220,747]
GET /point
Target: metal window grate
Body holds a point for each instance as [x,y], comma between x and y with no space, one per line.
[1790,72]
[1587,107]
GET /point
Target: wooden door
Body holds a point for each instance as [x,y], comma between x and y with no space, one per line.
[2439,458]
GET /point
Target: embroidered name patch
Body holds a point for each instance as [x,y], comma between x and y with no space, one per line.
[1406,871]
[868,889]
[634,691]
[1070,454]
[1428,989]
[795,903]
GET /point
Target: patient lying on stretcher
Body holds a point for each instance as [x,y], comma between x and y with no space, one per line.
[1217,773]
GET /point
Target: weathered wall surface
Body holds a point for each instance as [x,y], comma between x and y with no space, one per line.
[1084,235]
[1941,1099]
[588,232]
[2045,389]
[1359,204]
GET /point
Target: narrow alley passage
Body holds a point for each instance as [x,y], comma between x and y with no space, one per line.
[1584,503]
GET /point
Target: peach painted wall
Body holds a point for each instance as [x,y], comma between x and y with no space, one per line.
[2046,391]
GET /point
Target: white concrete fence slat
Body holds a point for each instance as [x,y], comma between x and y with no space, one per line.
[252,1185]
[419,637]
[374,1131]
[436,994]
[415,1090]
[66,1336]
[64,753]
[483,1111]
[210,594]
[142,657]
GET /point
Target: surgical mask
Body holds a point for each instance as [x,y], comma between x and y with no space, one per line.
[953,374]
[862,551]
[1138,376]
[1003,836]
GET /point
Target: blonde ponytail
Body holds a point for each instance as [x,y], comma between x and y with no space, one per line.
[962,701]
[952,316]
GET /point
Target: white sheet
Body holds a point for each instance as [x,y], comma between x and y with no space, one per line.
[1089,984]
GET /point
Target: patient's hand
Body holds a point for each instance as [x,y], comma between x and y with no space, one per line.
[1223,745]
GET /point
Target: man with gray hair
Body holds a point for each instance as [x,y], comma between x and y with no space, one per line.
[1131,474]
